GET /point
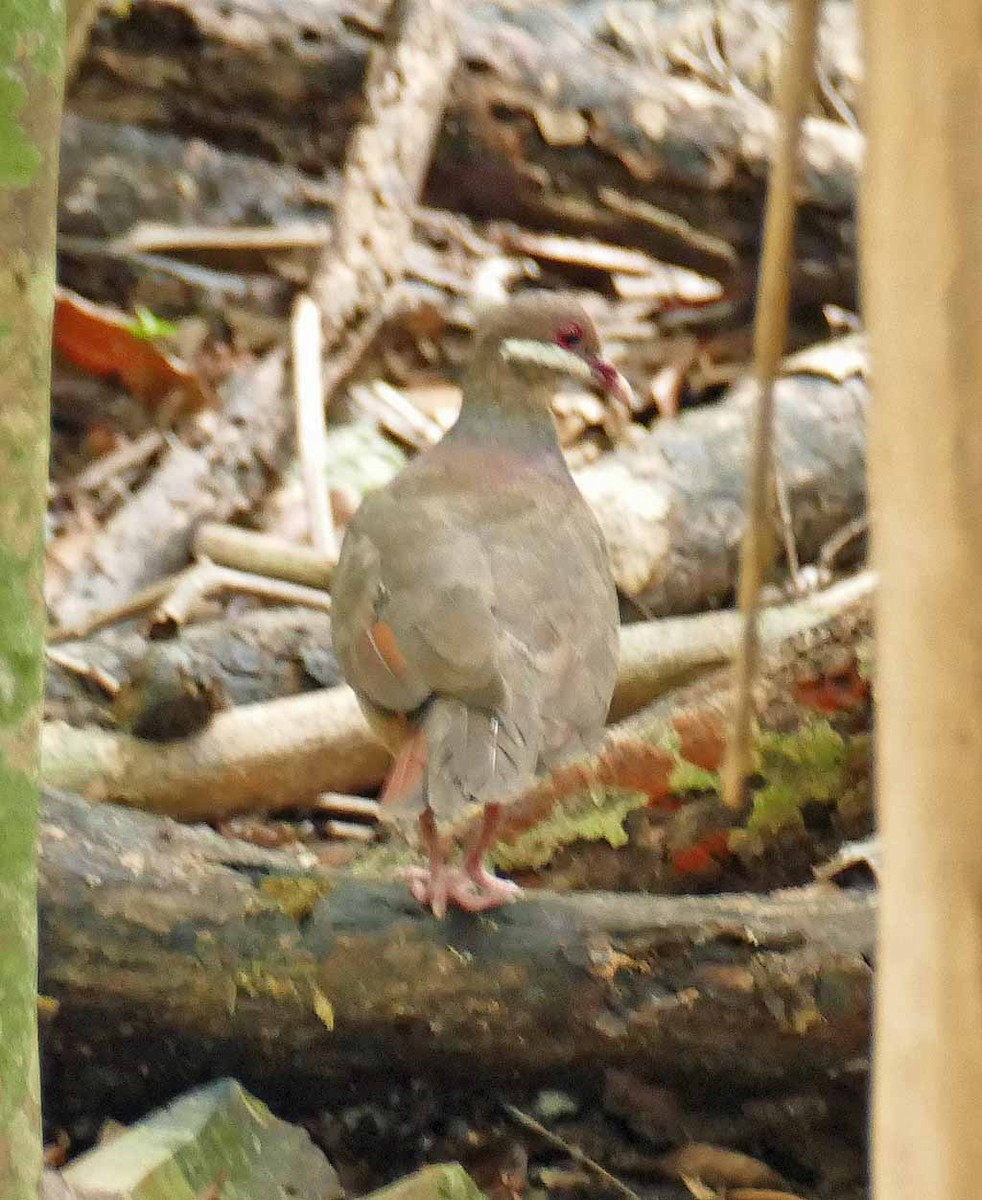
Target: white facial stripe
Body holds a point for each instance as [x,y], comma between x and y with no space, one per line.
[545,354]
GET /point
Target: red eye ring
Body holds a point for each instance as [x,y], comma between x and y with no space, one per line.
[570,336]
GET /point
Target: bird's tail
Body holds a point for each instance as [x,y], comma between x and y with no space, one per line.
[476,757]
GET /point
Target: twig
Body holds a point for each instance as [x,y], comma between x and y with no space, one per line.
[110,466]
[770,335]
[851,532]
[786,518]
[92,673]
[349,831]
[262,554]
[669,224]
[152,237]
[206,579]
[252,562]
[342,805]
[308,399]
[574,1152]
[138,603]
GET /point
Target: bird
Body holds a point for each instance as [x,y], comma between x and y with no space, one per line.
[474,611]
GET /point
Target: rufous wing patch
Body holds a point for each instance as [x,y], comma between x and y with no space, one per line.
[385,644]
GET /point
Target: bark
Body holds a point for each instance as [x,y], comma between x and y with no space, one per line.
[175,956]
[257,656]
[922,255]
[672,508]
[547,125]
[32,73]
[385,164]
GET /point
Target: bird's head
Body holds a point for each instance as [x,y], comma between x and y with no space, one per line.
[539,338]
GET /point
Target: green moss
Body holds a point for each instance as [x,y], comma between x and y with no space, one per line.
[594,815]
[294,895]
[19,157]
[687,777]
[799,768]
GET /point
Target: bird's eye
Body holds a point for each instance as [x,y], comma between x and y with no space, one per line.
[570,336]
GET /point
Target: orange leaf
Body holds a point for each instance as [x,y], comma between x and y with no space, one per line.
[702,738]
[102,341]
[703,856]
[833,693]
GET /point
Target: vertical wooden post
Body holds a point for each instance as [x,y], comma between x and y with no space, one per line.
[922,263]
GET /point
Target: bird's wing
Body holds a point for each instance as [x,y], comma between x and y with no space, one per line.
[413,606]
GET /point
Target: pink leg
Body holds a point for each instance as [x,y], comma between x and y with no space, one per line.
[432,884]
[492,890]
[473,888]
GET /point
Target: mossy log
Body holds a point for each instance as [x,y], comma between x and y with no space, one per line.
[174,956]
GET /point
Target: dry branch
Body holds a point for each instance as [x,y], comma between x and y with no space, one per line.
[271,755]
[770,342]
[169,966]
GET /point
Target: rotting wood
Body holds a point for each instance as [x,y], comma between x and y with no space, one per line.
[174,955]
[405,88]
[541,113]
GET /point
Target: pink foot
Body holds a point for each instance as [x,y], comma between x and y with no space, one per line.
[497,890]
[450,885]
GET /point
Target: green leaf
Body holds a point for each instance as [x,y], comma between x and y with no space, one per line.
[148,327]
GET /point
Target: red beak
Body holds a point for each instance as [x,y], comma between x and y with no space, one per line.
[613,384]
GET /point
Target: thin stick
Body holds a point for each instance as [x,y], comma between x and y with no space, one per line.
[308,400]
[262,554]
[207,579]
[770,335]
[574,1152]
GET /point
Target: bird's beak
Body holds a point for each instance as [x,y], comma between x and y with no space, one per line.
[612,383]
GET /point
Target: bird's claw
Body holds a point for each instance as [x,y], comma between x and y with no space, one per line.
[472,892]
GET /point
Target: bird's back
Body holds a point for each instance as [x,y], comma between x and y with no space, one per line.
[486,577]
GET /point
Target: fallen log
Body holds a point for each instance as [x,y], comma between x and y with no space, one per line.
[174,956]
[283,753]
[672,507]
[548,124]
[252,657]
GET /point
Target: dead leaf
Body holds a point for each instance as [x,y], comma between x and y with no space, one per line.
[718,1167]
[106,343]
[837,360]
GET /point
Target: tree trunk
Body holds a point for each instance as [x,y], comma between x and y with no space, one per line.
[31,73]
[923,260]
